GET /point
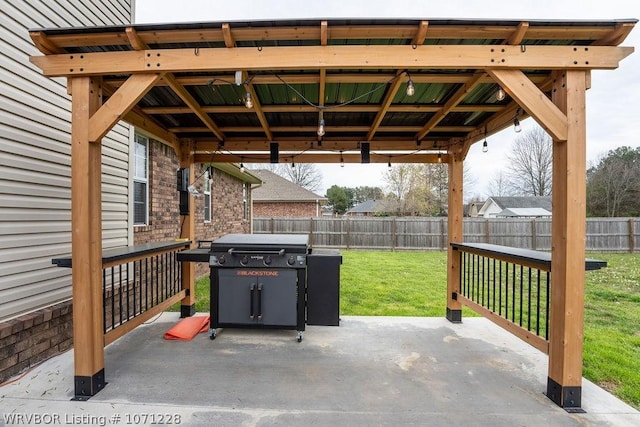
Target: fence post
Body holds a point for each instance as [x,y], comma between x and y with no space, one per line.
[271,224]
[534,244]
[348,234]
[443,244]
[393,234]
[632,235]
[486,231]
[311,231]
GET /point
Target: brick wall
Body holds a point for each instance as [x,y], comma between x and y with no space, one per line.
[33,338]
[285,209]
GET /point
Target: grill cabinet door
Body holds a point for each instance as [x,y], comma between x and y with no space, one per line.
[279,298]
[258,297]
[234,297]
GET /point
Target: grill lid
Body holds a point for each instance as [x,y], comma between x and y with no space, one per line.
[291,243]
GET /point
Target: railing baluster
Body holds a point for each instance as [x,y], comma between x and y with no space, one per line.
[529,302]
[128,295]
[113,301]
[483,279]
[120,292]
[546,324]
[104,300]
[500,288]
[513,294]
[506,290]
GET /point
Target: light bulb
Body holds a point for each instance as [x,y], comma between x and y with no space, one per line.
[439,157]
[485,146]
[411,89]
[321,127]
[341,160]
[389,165]
[500,94]
[248,102]
[241,168]
[293,164]
[516,125]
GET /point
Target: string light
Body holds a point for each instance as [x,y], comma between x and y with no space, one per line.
[485,145]
[411,89]
[439,157]
[516,122]
[293,164]
[248,102]
[500,95]
[321,127]
[341,160]
[389,164]
[241,165]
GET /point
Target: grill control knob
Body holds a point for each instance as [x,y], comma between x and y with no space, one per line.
[244,260]
[221,259]
[291,260]
[267,260]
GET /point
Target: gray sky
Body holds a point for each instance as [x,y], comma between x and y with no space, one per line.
[613,102]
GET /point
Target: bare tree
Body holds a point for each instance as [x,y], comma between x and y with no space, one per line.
[500,186]
[530,164]
[306,175]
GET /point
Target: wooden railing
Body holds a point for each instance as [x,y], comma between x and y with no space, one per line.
[511,287]
[138,282]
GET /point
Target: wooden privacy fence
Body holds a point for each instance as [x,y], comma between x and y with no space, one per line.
[603,234]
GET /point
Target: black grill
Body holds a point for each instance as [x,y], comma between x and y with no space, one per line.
[258,281]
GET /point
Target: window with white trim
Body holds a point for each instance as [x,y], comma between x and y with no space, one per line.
[207,195]
[141,180]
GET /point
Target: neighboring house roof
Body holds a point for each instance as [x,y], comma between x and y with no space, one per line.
[373,206]
[494,206]
[523,212]
[523,202]
[275,188]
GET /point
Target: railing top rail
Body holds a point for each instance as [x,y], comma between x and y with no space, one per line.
[126,253]
[536,259]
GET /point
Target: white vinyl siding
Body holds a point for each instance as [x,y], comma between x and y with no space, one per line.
[35,183]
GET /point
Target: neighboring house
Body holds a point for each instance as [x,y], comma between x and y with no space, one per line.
[373,208]
[516,207]
[279,197]
[139,194]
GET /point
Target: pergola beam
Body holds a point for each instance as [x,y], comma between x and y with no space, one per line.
[334,57]
[321,157]
[234,109]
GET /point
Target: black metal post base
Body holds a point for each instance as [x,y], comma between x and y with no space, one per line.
[187,310]
[454,316]
[87,386]
[567,397]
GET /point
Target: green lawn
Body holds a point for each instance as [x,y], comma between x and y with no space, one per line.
[379,283]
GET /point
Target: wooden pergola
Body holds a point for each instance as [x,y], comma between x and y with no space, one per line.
[189,86]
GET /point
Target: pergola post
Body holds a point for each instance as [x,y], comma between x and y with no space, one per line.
[188,231]
[86,240]
[455,234]
[564,384]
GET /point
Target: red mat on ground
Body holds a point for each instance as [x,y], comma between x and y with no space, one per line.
[188,328]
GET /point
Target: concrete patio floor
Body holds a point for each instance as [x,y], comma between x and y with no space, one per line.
[369,371]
